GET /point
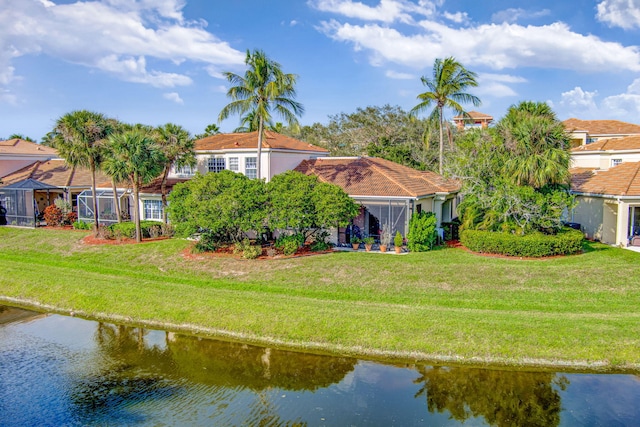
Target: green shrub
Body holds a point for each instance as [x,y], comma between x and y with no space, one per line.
[320,246]
[149,229]
[240,247]
[567,241]
[397,239]
[80,225]
[289,243]
[422,234]
[207,242]
[252,251]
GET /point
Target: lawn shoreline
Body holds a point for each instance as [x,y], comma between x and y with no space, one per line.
[383,356]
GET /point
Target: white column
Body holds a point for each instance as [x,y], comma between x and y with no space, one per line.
[622,227]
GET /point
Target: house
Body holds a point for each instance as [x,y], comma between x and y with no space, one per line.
[472,119]
[18,153]
[238,152]
[608,203]
[61,179]
[388,192]
[606,153]
[584,132]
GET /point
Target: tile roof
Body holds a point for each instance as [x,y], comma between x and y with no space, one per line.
[474,115]
[54,172]
[273,140]
[601,127]
[621,180]
[154,187]
[22,147]
[371,176]
[611,144]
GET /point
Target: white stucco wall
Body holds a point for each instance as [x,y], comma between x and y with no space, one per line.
[589,213]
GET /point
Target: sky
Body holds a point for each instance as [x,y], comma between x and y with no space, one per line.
[160,61]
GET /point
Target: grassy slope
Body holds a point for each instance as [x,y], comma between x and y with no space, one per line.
[446,305]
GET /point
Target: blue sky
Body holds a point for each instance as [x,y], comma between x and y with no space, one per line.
[159,61]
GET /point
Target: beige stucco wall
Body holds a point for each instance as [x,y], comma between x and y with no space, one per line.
[589,213]
[609,223]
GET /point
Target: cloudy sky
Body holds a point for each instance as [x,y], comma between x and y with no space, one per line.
[158,61]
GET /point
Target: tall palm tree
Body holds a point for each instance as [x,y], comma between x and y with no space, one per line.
[446,90]
[137,156]
[263,89]
[79,137]
[537,143]
[178,148]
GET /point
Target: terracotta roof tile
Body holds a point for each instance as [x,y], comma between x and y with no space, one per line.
[611,144]
[55,172]
[475,115]
[229,141]
[601,127]
[371,176]
[20,146]
[621,180]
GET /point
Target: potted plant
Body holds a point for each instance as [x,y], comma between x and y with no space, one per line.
[355,242]
[385,237]
[397,242]
[368,243]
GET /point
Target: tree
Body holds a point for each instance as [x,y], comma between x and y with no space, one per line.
[80,137]
[225,205]
[20,136]
[211,129]
[537,143]
[138,157]
[263,89]
[176,144]
[305,205]
[446,90]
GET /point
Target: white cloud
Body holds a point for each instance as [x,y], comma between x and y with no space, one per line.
[458,17]
[400,76]
[173,96]
[512,15]
[114,36]
[620,13]
[495,85]
[625,104]
[497,46]
[293,23]
[579,100]
[386,11]
[581,103]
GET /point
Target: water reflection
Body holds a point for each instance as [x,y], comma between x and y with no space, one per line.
[56,370]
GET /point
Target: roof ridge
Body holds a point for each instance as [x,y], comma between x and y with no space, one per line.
[633,178]
[375,166]
[312,167]
[36,166]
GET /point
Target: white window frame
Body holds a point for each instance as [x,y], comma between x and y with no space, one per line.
[152,209]
[615,162]
[214,163]
[186,170]
[251,167]
[234,164]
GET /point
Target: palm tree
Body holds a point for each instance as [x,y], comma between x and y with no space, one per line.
[211,129]
[263,89]
[137,156]
[537,143]
[178,148]
[79,137]
[446,90]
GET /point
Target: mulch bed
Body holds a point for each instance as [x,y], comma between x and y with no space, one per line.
[93,240]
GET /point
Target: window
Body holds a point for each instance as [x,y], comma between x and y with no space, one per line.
[153,209]
[184,170]
[615,162]
[250,167]
[233,164]
[216,164]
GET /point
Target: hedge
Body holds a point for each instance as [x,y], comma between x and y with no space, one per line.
[567,241]
[128,229]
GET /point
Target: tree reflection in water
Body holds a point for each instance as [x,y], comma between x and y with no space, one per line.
[502,398]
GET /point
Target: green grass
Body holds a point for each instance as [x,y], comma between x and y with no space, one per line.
[447,305]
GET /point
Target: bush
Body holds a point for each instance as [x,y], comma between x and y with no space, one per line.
[397,240]
[80,225]
[207,243]
[567,241]
[422,234]
[320,246]
[53,216]
[289,243]
[252,251]
[71,218]
[150,229]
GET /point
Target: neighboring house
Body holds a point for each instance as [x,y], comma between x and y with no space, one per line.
[608,203]
[584,132]
[62,180]
[606,153]
[238,152]
[150,207]
[18,153]
[388,192]
[473,119]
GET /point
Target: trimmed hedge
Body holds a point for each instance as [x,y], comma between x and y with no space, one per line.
[567,241]
[149,229]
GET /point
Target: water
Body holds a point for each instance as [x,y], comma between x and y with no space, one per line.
[64,371]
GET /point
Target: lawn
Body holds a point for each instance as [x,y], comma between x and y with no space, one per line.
[447,305]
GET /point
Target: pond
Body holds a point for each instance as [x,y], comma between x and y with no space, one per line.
[65,371]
